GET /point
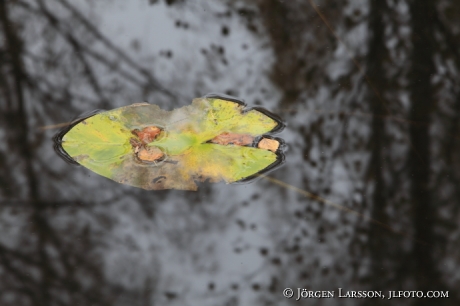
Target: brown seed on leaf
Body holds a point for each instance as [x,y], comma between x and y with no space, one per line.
[233,138]
[149,154]
[148,134]
[268,144]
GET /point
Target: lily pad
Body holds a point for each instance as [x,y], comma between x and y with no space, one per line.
[216,138]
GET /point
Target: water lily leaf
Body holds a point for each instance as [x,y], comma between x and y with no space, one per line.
[214,139]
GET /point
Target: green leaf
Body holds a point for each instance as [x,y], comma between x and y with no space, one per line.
[213,139]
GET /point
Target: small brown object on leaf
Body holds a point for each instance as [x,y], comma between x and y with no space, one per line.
[134,142]
[233,138]
[268,144]
[148,134]
[149,154]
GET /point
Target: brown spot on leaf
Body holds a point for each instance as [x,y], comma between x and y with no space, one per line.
[149,154]
[233,138]
[147,134]
[268,144]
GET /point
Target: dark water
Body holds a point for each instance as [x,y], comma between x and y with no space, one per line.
[368,196]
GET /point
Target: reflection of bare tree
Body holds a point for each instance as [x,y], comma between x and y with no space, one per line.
[375,63]
[399,171]
[46,263]
[56,246]
[420,163]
